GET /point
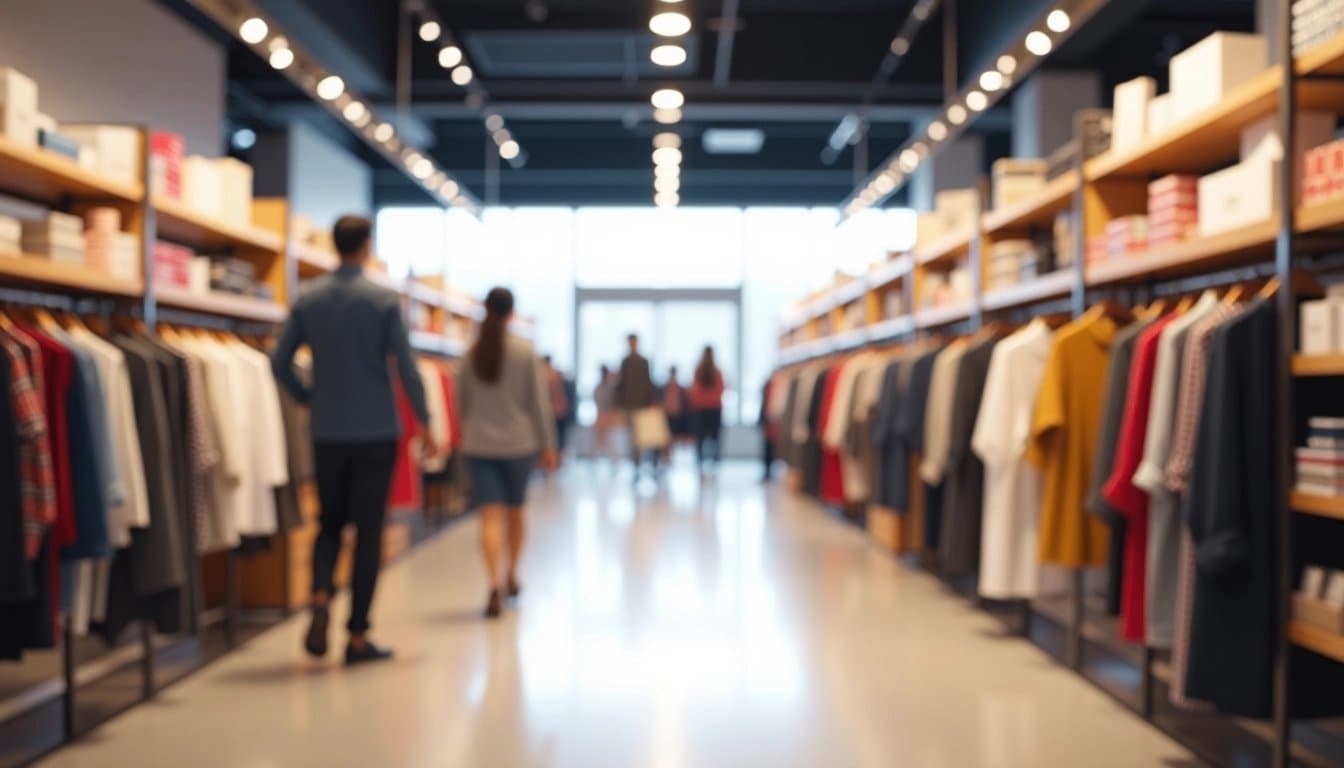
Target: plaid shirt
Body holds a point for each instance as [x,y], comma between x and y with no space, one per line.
[38,480]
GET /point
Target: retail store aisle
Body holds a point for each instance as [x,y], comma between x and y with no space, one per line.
[699,626]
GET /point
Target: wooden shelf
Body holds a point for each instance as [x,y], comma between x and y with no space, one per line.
[952,313]
[886,330]
[890,271]
[949,247]
[38,271]
[463,307]
[313,260]
[849,292]
[1317,640]
[424,294]
[45,175]
[1321,217]
[1054,285]
[436,344]
[1324,59]
[1039,211]
[219,303]
[1320,506]
[849,340]
[178,223]
[1318,365]
[1190,256]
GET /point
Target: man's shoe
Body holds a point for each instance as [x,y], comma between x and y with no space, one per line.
[365,653]
[316,640]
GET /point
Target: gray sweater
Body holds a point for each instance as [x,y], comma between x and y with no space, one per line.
[510,418]
[354,329]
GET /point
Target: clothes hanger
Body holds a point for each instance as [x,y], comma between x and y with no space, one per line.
[1187,301]
[1112,309]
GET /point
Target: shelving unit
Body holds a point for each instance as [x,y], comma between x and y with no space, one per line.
[313,261]
[40,272]
[1040,210]
[1317,640]
[1321,506]
[1197,255]
[37,173]
[1054,285]
[1318,365]
[178,223]
[946,249]
[946,315]
[225,304]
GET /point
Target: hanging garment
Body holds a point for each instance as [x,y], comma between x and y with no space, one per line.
[1163,556]
[811,450]
[1194,366]
[1108,439]
[883,429]
[1064,439]
[959,542]
[937,428]
[1120,490]
[910,430]
[832,484]
[406,490]
[1012,487]
[15,578]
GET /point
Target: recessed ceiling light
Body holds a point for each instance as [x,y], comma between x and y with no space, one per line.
[666,171]
[1058,21]
[383,132]
[330,87]
[909,160]
[937,131]
[424,168]
[430,31]
[667,199]
[991,80]
[668,55]
[1007,64]
[501,136]
[667,116]
[281,58]
[450,56]
[900,46]
[670,24]
[666,156]
[956,114]
[354,111]
[977,101]
[667,139]
[667,98]
[449,188]
[494,122]
[462,74]
[253,30]
[667,183]
[884,184]
[509,149]
[1039,43]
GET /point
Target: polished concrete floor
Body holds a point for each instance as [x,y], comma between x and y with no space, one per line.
[696,625]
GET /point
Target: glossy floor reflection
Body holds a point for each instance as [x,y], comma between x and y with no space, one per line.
[723,624]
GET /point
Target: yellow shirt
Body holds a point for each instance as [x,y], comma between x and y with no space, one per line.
[1064,438]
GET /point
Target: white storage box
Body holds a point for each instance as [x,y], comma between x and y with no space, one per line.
[1129,122]
[1319,325]
[18,107]
[54,225]
[201,185]
[11,231]
[958,207]
[126,256]
[1261,139]
[1203,74]
[1016,180]
[115,149]
[198,277]
[235,178]
[1160,115]
[1245,194]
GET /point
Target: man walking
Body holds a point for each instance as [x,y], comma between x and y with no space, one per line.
[634,391]
[354,330]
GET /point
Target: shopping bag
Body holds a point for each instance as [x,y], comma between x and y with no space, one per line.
[649,430]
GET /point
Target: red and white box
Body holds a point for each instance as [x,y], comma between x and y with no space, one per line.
[172,265]
[166,151]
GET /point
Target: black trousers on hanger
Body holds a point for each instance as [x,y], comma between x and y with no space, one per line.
[353,481]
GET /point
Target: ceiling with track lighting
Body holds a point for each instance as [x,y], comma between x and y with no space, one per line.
[551,102]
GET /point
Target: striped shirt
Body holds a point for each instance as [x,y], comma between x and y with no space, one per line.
[37,485]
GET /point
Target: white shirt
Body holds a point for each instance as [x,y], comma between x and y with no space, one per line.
[938,412]
[1009,567]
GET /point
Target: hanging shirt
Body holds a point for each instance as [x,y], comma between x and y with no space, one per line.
[938,416]
[1012,493]
[37,477]
[959,540]
[1064,438]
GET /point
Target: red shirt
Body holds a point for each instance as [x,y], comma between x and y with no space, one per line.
[705,398]
[832,481]
[1120,490]
[58,376]
[405,493]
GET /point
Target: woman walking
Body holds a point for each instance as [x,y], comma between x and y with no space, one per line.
[604,397]
[705,397]
[507,425]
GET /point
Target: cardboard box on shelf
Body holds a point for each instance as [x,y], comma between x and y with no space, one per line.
[1160,115]
[1017,179]
[1319,323]
[116,149]
[235,178]
[201,186]
[1130,115]
[1262,140]
[1206,72]
[172,265]
[18,107]
[113,253]
[957,207]
[166,153]
[1244,194]
[102,219]
[11,230]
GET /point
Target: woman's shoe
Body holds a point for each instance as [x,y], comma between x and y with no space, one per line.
[515,589]
[495,605]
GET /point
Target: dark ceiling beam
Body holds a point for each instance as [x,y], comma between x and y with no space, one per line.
[759,177]
[723,57]
[693,112]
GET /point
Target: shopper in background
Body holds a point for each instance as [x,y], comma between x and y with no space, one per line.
[635,391]
[674,404]
[604,397]
[352,327]
[507,425]
[555,385]
[706,400]
[769,433]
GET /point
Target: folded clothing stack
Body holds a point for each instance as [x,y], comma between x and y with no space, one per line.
[1323,173]
[11,236]
[1173,210]
[1320,465]
[59,237]
[233,276]
[107,248]
[1314,22]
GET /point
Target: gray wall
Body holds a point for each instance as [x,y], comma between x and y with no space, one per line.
[958,166]
[325,179]
[1045,106]
[129,61]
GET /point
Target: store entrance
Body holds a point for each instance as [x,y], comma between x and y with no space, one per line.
[674,326]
